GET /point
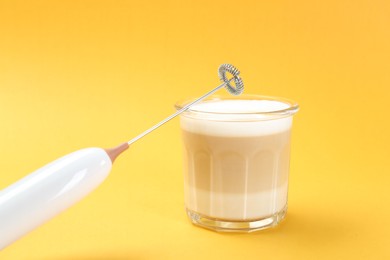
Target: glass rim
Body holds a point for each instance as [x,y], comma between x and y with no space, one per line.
[292,108]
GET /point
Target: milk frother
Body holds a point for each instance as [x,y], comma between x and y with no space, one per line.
[56,186]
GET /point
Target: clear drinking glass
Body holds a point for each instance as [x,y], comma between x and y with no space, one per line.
[236,161]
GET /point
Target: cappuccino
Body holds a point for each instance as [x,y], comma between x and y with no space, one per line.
[236,159]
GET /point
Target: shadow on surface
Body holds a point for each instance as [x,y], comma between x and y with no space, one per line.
[108,255]
[320,229]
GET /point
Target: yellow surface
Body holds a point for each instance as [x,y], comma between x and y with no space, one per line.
[76,74]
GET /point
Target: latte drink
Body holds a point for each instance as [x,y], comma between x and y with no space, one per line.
[236,166]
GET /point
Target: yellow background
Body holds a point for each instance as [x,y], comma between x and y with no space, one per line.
[76,74]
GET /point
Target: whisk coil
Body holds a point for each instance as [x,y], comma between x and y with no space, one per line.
[239,84]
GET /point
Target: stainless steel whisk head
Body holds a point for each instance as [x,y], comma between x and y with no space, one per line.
[237,80]
[222,70]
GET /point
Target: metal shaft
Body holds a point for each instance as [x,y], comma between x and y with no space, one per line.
[176,114]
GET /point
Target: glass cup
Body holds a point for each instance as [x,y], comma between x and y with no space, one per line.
[236,161]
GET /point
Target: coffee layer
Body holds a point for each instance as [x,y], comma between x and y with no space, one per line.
[236,177]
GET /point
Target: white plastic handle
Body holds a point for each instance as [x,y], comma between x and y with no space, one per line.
[49,190]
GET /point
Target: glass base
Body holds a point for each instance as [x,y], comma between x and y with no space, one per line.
[248,226]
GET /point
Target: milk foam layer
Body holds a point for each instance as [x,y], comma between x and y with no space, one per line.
[240,106]
[235,118]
